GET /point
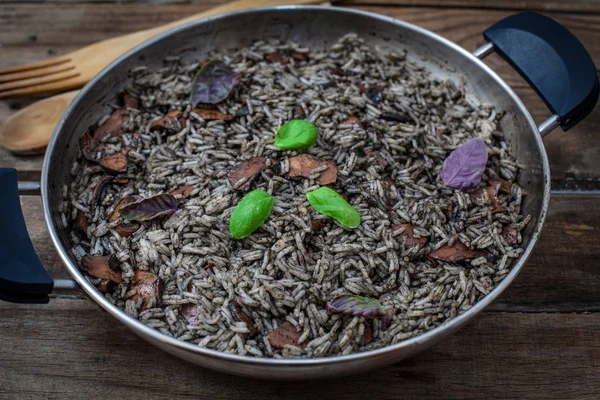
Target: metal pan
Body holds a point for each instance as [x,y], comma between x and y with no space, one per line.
[545,53]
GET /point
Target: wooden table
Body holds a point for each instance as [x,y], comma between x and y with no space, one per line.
[541,339]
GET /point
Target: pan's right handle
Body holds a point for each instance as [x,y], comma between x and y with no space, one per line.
[23,278]
[552,60]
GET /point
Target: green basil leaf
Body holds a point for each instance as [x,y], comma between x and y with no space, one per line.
[250,213]
[328,202]
[296,134]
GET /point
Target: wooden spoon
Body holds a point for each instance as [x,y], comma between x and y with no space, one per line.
[29,130]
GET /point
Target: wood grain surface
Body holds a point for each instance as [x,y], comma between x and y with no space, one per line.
[539,340]
[526,5]
[71,350]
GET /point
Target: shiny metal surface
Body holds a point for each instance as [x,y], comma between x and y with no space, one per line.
[66,287]
[484,50]
[29,188]
[312,26]
[549,125]
[65,284]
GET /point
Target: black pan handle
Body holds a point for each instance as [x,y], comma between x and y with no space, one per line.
[551,59]
[23,278]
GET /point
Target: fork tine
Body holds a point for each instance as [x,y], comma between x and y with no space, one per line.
[41,64]
[46,88]
[32,73]
[24,83]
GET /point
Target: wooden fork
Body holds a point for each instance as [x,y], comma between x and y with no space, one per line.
[75,69]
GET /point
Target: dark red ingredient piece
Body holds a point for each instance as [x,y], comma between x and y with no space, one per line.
[129,101]
[431,260]
[285,334]
[388,317]
[368,334]
[453,254]
[441,131]
[110,127]
[408,238]
[171,122]
[105,267]
[396,116]
[241,316]
[493,195]
[122,203]
[365,89]
[380,160]
[283,56]
[190,313]
[90,148]
[317,224]
[505,186]
[147,286]
[136,139]
[114,163]
[298,56]
[212,114]
[126,229]
[510,235]
[299,113]
[352,120]
[184,191]
[303,164]
[97,193]
[106,286]
[81,223]
[277,57]
[338,72]
[448,210]
[247,169]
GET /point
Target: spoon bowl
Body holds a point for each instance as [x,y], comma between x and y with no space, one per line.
[29,130]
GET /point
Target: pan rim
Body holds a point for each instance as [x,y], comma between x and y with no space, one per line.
[387,352]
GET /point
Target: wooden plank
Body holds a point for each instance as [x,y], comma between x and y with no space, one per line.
[561,275]
[61,29]
[28,167]
[68,349]
[529,5]
[46,25]
[572,6]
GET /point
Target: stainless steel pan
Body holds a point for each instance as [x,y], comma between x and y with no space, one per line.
[548,56]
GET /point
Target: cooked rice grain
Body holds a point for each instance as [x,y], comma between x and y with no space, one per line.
[289,269]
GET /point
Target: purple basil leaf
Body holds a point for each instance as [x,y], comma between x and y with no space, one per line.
[464,166]
[150,208]
[356,305]
[213,83]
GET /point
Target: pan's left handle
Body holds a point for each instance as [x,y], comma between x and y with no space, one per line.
[23,278]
